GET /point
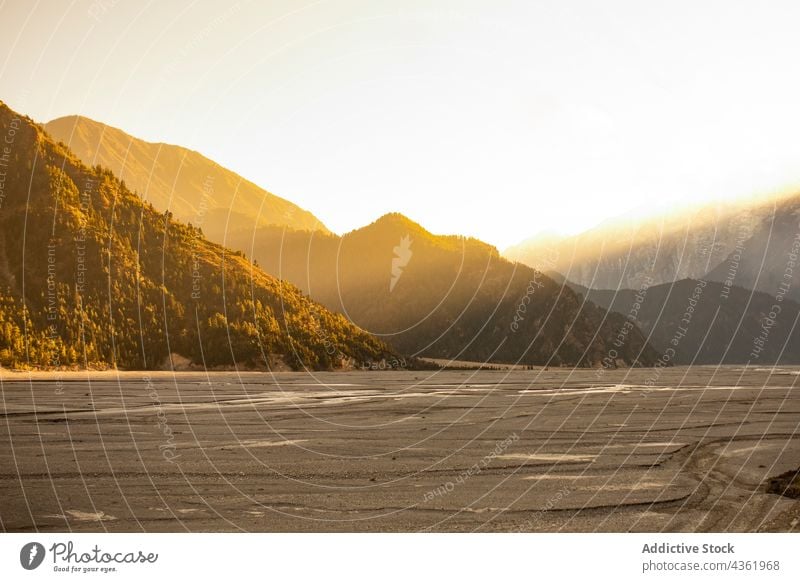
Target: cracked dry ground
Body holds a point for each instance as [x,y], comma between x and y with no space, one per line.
[558,450]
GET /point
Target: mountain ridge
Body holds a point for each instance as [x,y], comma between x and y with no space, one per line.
[664,248]
[694,321]
[195,188]
[444,296]
[99,277]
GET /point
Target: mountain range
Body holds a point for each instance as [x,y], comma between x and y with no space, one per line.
[746,244]
[457,298]
[118,251]
[446,296]
[728,270]
[705,322]
[92,275]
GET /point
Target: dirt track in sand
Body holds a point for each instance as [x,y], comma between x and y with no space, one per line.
[535,450]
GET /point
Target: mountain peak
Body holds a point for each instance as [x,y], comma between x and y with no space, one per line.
[72,126]
[396,219]
[192,187]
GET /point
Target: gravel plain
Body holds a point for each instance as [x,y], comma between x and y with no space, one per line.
[679,449]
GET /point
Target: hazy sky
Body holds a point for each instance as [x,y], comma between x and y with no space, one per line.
[493,119]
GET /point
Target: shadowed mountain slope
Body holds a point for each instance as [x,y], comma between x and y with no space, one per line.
[703,322]
[445,296]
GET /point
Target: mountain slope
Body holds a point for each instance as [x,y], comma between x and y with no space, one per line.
[445,296]
[703,322]
[622,253]
[92,275]
[195,189]
[768,260]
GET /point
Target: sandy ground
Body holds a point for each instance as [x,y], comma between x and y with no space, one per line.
[539,450]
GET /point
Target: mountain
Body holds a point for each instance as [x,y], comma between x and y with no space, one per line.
[446,296]
[704,322]
[91,275]
[624,252]
[193,188]
[769,258]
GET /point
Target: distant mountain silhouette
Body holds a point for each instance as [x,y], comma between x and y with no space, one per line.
[622,253]
[768,260]
[704,322]
[193,188]
[445,296]
[90,275]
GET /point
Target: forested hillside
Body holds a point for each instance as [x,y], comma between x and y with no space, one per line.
[92,276]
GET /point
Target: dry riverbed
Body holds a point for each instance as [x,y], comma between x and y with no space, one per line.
[455,450]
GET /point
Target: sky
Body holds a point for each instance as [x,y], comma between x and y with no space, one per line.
[497,120]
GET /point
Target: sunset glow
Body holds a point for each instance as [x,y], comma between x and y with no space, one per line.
[493,123]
